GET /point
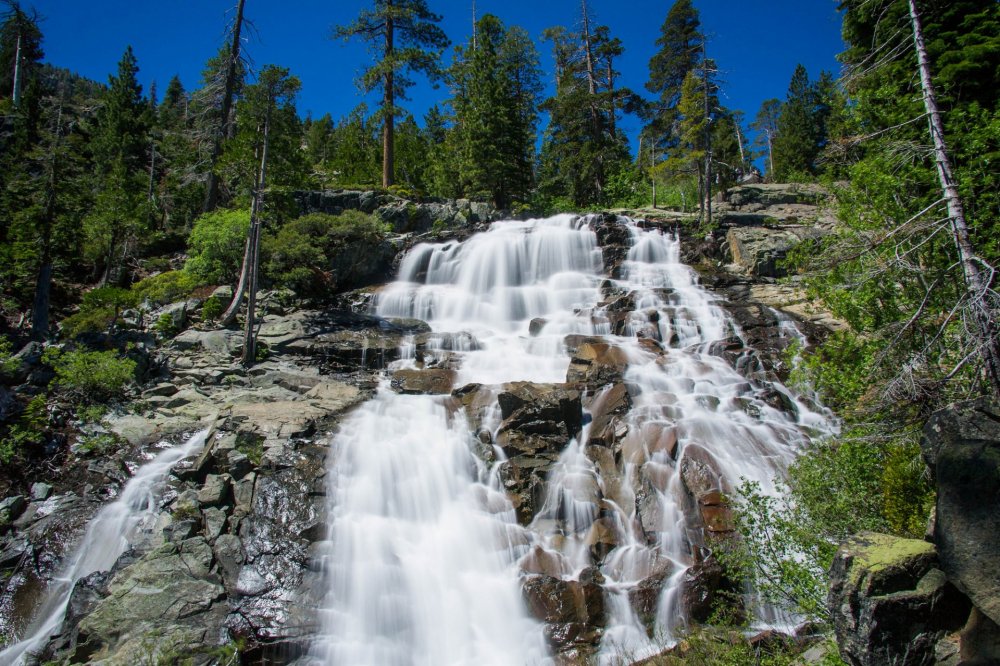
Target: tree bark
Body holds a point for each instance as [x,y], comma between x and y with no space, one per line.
[16,93]
[225,126]
[389,107]
[976,284]
[708,136]
[249,333]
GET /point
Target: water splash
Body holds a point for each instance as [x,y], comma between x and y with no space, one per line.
[108,535]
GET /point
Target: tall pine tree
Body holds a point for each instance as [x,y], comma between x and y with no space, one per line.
[405,37]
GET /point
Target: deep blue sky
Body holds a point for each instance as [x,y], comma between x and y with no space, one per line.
[756,43]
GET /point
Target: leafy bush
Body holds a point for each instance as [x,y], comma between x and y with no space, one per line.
[166,325]
[317,253]
[7,363]
[836,489]
[29,429]
[99,311]
[166,288]
[90,376]
[216,246]
[212,309]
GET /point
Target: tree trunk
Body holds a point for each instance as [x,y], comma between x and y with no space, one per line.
[612,109]
[225,127]
[739,142]
[389,108]
[708,136]
[976,284]
[16,92]
[249,333]
[770,156]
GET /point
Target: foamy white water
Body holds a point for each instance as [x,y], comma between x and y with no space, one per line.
[423,549]
[108,535]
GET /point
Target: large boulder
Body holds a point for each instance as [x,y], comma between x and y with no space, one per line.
[573,610]
[760,250]
[538,417]
[889,602]
[961,444]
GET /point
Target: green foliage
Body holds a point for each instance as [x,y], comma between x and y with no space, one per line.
[680,51]
[166,325]
[318,253]
[252,446]
[840,369]
[166,288]
[862,481]
[97,444]
[99,311]
[216,246]
[90,376]
[8,365]
[212,309]
[29,430]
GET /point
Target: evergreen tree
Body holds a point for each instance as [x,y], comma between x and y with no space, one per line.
[894,269]
[20,50]
[581,148]
[680,47]
[496,91]
[119,145]
[796,145]
[765,125]
[405,38]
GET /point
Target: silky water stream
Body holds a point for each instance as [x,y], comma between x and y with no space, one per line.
[425,557]
[108,535]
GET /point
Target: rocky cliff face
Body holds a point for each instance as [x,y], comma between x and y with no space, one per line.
[902,601]
[232,553]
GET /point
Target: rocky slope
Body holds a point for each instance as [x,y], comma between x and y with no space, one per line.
[231,556]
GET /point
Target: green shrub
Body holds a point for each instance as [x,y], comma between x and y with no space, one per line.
[216,246]
[97,444]
[28,430]
[212,309]
[318,253]
[7,363]
[166,288]
[90,376]
[166,325]
[99,311]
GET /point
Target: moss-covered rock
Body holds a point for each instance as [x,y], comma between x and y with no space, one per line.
[889,602]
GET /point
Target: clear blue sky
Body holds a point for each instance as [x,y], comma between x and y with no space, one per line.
[756,43]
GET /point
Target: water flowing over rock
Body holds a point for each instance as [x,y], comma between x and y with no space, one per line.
[518,452]
[559,502]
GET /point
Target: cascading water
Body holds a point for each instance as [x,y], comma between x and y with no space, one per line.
[108,535]
[424,551]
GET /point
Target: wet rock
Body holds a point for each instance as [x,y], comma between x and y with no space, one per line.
[961,444]
[11,509]
[573,610]
[645,597]
[536,325]
[699,472]
[523,480]
[228,551]
[700,587]
[716,513]
[432,381]
[608,409]
[889,602]
[596,363]
[538,417]
[164,587]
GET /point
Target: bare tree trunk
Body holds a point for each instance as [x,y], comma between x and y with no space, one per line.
[249,333]
[16,93]
[975,283]
[770,156]
[612,110]
[225,130]
[475,30]
[708,136]
[389,106]
[739,142]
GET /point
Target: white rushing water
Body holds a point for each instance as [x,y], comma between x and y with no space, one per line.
[422,559]
[108,535]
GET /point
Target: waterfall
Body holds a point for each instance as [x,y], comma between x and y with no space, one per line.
[425,557]
[108,535]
